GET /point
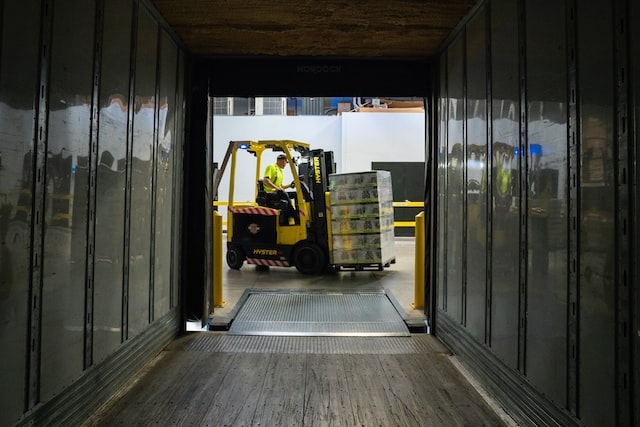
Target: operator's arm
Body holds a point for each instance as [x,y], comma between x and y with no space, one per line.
[270,184]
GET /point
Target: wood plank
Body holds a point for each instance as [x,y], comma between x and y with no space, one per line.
[456,401]
[192,398]
[327,400]
[185,386]
[409,394]
[282,398]
[144,398]
[239,394]
[366,385]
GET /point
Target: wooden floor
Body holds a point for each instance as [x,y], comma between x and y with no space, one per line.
[214,379]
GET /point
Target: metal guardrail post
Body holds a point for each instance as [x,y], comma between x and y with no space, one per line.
[217,261]
[418,291]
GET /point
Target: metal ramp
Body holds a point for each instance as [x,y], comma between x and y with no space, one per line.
[318,313]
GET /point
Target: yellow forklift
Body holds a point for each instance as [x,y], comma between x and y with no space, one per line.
[261,232]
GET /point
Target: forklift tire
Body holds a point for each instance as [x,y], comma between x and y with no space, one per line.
[309,259]
[235,258]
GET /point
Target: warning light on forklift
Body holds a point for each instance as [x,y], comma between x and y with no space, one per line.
[244,146]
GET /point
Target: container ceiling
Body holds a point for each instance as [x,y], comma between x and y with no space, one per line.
[356,28]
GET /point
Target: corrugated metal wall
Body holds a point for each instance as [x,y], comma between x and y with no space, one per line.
[91,111]
[537,154]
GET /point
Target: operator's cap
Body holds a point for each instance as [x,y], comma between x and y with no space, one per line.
[282,157]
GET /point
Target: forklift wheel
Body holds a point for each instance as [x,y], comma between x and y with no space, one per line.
[235,258]
[309,258]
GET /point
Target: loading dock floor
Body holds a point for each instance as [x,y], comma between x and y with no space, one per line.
[214,378]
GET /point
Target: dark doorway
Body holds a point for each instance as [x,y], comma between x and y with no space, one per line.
[270,76]
[407,180]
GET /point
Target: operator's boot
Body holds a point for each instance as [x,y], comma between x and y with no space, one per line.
[295,215]
[286,211]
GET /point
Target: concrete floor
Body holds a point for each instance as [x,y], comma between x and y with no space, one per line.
[397,280]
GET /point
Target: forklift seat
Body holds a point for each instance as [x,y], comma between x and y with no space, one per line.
[261,197]
[269,199]
[275,201]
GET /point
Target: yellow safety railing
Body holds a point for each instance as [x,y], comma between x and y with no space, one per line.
[406,204]
[418,300]
[217,261]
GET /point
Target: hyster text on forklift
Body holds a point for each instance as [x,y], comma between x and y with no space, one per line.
[261,232]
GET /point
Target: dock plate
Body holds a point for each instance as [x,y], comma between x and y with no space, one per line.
[318,313]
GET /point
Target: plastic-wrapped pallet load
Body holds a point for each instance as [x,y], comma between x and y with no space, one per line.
[362,219]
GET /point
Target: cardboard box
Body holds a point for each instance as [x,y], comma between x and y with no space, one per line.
[361,210]
[361,226]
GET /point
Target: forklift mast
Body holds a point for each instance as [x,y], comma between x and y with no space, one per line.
[315,174]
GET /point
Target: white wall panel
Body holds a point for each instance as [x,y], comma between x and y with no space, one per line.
[381,137]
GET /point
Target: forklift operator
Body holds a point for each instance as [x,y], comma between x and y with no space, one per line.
[273,176]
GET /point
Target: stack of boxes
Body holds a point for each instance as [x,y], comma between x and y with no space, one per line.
[362,219]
